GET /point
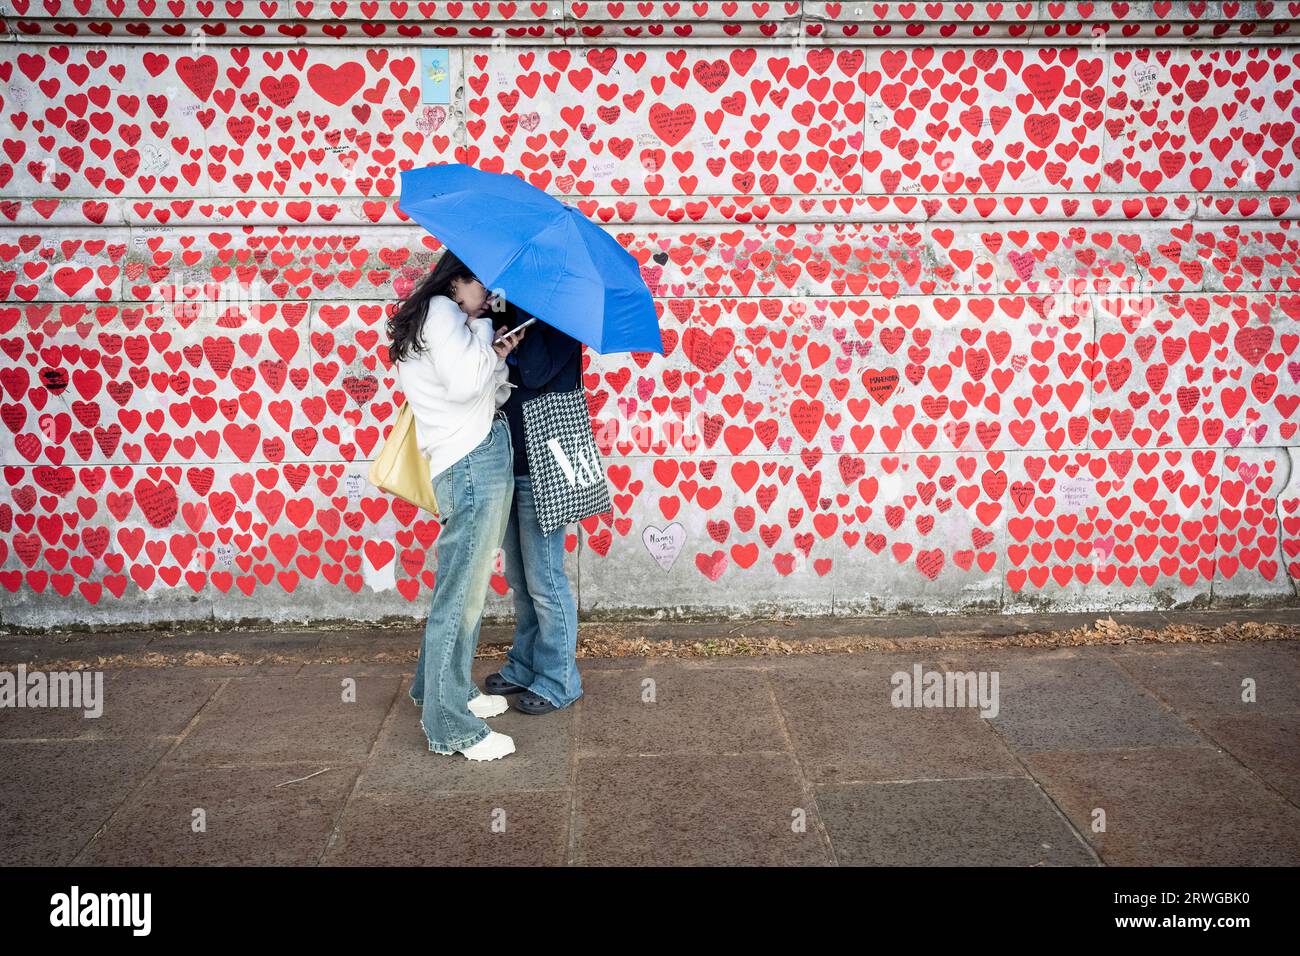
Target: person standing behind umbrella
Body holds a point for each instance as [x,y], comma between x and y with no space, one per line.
[541,666]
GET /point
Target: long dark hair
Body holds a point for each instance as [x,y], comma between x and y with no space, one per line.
[405,323]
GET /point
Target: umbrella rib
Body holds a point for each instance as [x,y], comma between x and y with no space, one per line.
[563,268]
[520,251]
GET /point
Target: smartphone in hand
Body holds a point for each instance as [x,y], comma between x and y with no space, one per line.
[508,332]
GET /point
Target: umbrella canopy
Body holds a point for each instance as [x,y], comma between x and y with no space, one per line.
[545,255]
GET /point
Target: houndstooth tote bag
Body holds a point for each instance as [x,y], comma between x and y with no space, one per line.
[569,481]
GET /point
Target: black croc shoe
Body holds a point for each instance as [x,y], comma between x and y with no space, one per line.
[496,684]
[531,703]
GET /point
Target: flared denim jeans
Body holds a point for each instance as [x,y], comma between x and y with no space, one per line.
[474,497]
[546,612]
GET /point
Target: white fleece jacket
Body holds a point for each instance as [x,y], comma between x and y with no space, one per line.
[455,382]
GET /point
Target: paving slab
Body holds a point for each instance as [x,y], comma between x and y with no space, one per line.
[984,822]
[1171,806]
[415,829]
[899,626]
[370,642]
[601,663]
[252,670]
[711,663]
[248,642]
[250,816]
[187,671]
[29,648]
[668,707]
[55,794]
[156,702]
[1269,746]
[1209,679]
[282,719]
[844,727]
[394,669]
[694,810]
[1072,699]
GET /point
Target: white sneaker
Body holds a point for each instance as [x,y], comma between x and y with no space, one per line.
[491,747]
[488,705]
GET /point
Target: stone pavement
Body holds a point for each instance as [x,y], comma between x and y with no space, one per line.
[761,760]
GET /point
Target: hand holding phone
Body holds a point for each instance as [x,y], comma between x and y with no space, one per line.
[503,345]
[507,333]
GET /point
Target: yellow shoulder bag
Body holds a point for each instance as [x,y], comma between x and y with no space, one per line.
[401,469]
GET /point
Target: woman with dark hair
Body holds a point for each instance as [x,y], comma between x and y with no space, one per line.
[454,376]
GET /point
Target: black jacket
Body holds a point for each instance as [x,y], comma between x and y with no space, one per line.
[547,360]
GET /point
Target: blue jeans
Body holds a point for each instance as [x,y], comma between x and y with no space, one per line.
[546,613]
[474,497]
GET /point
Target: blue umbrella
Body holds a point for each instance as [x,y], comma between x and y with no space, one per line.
[548,257]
